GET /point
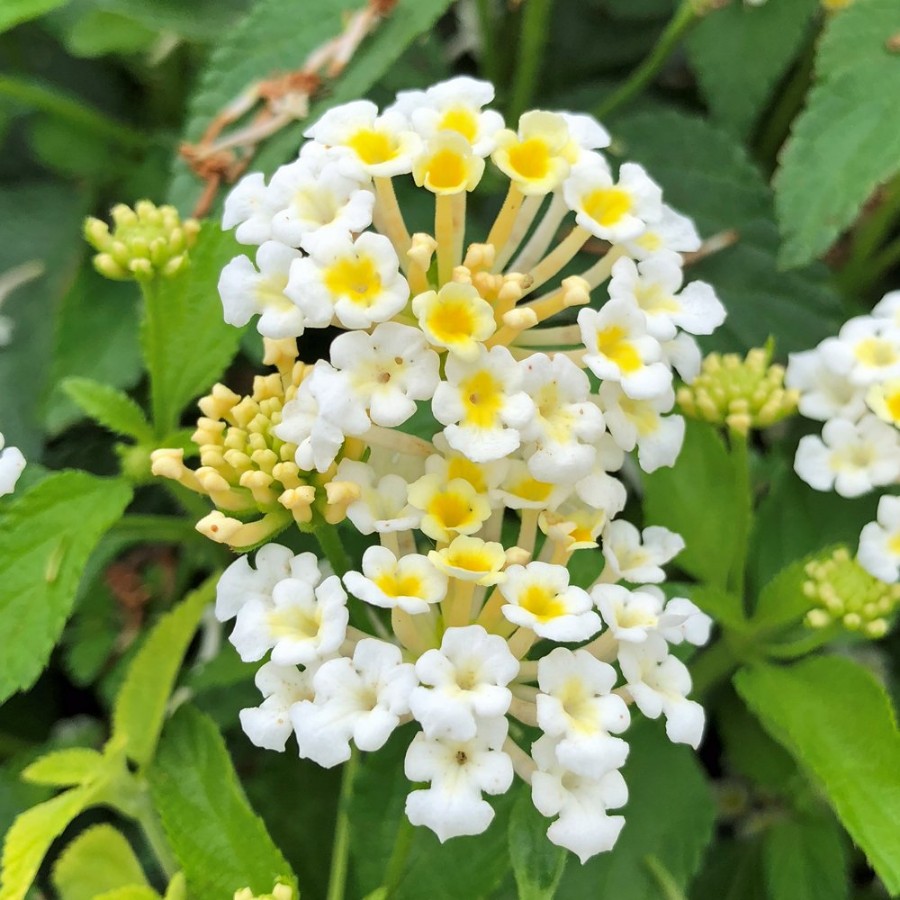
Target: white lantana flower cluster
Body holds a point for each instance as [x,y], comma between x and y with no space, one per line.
[12,464]
[851,382]
[530,424]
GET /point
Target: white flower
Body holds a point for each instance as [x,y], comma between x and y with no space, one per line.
[566,422]
[684,621]
[683,354]
[410,583]
[12,463]
[471,559]
[362,699]
[673,232]
[576,707]
[850,458]
[247,206]
[540,598]
[356,282]
[449,508]
[459,771]
[269,724]
[654,284]
[521,490]
[620,349]
[824,393]
[388,370]
[455,317]
[659,684]
[580,802]
[888,307]
[482,405]
[615,211]
[586,132]
[447,165]
[538,157]
[639,558]
[313,197]
[630,616]
[381,146]
[382,505]
[463,681]
[879,542]
[866,350]
[246,291]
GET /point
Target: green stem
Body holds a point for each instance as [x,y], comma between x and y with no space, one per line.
[668,887]
[803,646]
[883,261]
[488,60]
[685,16]
[712,666]
[340,855]
[330,541]
[72,110]
[164,419]
[397,863]
[740,457]
[147,817]
[530,54]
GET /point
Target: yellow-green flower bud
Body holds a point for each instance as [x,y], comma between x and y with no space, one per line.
[843,592]
[145,242]
[740,393]
[281,892]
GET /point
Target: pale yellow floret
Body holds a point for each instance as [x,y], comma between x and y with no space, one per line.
[447,165]
[471,559]
[884,401]
[538,158]
[455,318]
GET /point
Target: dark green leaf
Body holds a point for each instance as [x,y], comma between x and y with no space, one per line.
[221,843]
[14,12]
[805,860]
[537,864]
[837,721]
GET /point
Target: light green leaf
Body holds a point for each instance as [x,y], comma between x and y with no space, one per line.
[537,864]
[781,602]
[267,42]
[187,345]
[140,705]
[177,889]
[46,536]
[97,861]
[706,174]
[844,143]
[100,32]
[110,407]
[15,12]
[698,498]
[805,859]
[836,719]
[96,338]
[669,816]
[740,52]
[129,892]
[64,768]
[30,837]
[220,842]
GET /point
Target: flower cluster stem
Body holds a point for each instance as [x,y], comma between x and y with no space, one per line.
[340,856]
[532,38]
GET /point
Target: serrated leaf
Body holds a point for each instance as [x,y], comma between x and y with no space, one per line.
[30,837]
[537,864]
[15,12]
[706,174]
[845,142]
[186,343]
[698,499]
[99,860]
[64,768]
[140,705]
[46,536]
[805,859]
[221,843]
[764,39]
[669,816]
[267,42]
[837,721]
[110,407]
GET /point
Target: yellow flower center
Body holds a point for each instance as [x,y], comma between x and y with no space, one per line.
[293,622]
[452,510]
[612,343]
[892,401]
[607,206]
[531,489]
[894,544]
[462,120]
[576,703]
[446,170]
[542,602]
[451,321]
[876,352]
[372,146]
[356,279]
[474,559]
[530,159]
[394,584]
[460,467]
[482,399]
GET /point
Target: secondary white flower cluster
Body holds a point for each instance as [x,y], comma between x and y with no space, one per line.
[12,463]
[851,382]
[472,529]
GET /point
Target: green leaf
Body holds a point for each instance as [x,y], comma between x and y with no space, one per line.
[187,345]
[110,407]
[764,38]
[140,705]
[220,842]
[782,602]
[698,498]
[64,768]
[97,861]
[805,859]
[669,816]
[732,871]
[267,42]
[129,892]
[46,536]
[15,12]
[537,864]
[30,837]
[845,137]
[96,338]
[706,174]
[836,719]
